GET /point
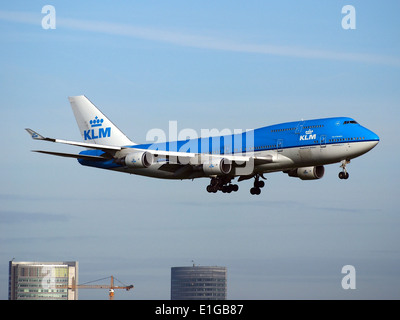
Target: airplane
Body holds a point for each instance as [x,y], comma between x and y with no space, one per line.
[299,149]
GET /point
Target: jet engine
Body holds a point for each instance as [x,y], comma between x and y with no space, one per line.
[137,160]
[217,167]
[307,173]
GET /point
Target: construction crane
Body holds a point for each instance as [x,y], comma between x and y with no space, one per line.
[111,287]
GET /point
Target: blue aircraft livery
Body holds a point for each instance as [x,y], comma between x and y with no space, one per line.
[300,149]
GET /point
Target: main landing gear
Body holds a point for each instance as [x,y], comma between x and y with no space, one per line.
[223,184]
[344,174]
[257,185]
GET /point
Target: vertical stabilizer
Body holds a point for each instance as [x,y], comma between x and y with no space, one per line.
[94,126]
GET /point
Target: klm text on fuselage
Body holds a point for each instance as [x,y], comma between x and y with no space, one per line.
[308,136]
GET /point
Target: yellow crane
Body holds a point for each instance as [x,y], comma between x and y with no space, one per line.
[111,287]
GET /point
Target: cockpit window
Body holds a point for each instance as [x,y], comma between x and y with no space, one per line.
[352,121]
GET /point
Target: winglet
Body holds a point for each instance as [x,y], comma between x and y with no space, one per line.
[35,135]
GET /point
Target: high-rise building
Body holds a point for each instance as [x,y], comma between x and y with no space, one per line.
[198,283]
[39,280]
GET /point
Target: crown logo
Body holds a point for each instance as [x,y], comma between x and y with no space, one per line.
[309,131]
[96,122]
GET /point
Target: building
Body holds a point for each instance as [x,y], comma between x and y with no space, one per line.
[39,280]
[198,283]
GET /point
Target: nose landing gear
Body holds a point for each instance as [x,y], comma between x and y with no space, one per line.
[344,174]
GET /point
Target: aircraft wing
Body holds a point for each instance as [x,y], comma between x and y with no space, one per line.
[111,149]
[173,157]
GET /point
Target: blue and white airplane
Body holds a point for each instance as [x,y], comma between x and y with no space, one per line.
[300,149]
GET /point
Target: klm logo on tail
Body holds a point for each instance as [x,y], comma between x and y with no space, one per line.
[97,131]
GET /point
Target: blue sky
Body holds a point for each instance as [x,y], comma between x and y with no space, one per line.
[225,64]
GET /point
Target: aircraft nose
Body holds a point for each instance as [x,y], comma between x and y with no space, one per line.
[372,137]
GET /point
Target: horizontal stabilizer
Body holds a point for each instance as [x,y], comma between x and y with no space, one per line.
[72,155]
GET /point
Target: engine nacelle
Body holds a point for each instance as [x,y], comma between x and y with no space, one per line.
[217,167]
[137,160]
[307,173]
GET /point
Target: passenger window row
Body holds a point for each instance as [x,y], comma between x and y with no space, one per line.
[313,127]
[291,129]
[346,139]
[282,130]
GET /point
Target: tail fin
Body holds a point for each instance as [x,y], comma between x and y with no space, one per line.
[95,127]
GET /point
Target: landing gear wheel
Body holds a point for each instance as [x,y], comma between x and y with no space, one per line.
[230,188]
[255,191]
[343,175]
[226,189]
[259,184]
